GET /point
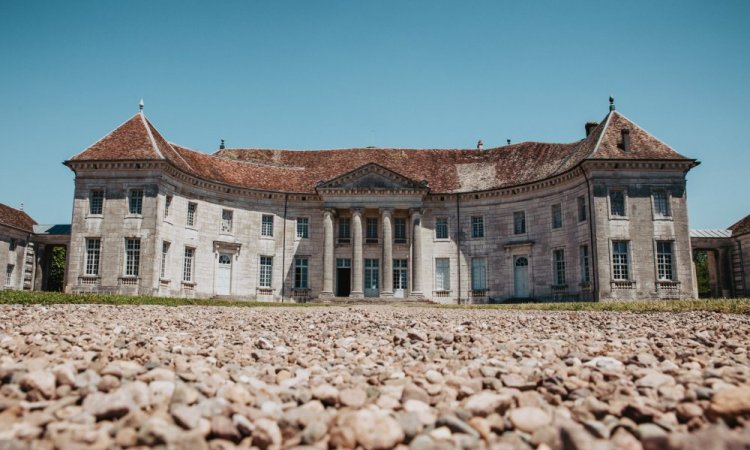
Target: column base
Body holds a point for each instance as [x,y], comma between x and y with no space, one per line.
[386,294]
[416,294]
[326,295]
[355,294]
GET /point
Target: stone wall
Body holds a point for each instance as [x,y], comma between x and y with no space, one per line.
[15,257]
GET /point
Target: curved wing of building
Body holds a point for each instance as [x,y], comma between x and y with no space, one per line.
[598,219]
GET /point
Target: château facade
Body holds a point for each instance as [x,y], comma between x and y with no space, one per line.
[604,218]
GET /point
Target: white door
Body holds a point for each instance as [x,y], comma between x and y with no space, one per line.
[372,277]
[521,276]
[224,275]
[400,273]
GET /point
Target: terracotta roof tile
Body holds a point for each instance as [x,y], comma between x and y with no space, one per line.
[741,227]
[129,141]
[16,218]
[643,145]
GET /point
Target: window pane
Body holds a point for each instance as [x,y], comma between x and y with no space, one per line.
[187,268]
[266,265]
[136,201]
[226,220]
[477,227]
[442,274]
[617,203]
[372,229]
[96,202]
[9,275]
[557,216]
[584,255]
[267,225]
[478,274]
[93,249]
[581,209]
[167,205]
[132,256]
[519,222]
[620,269]
[441,228]
[164,255]
[191,214]
[344,228]
[300,273]
[661,203]
[302,228]
[559,262]
[664,260]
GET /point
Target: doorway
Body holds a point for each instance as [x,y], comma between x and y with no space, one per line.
[224,275]
[400,271]
[343,277]
[521,276]
[372,277]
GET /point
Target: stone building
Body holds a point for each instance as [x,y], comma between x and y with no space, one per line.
[728,257]
[603,218]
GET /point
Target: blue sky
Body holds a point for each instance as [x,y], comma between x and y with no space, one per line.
[331,74]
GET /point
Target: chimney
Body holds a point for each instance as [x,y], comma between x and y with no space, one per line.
[625,139]
[508,141]
[480,145]
[221,146]
[590,127]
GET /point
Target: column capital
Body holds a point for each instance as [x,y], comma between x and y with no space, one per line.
[416,212]
[329,212]
[386,212]
[356,211]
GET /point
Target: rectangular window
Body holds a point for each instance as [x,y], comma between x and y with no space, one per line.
[664,260]
[582,209]
[617,202]
[300,272]
[441,228]
[478,274]
[477,227]
[345,230]
[192,214]
[661,203]
[227,216]
[93,252]
[620,260]
[343,263]
[187,266]
[442,274]
[12,244]
[164,257]
[135,202]
[372,273]
[371,236]
[558,257]
[96,202]
[519,222]
[266,225]
[167,205]
[266,269]
[132,256]
[303,228]
[399,230]
[557,216]
[9,275]
[584,256]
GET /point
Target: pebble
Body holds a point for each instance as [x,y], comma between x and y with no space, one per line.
[529,418]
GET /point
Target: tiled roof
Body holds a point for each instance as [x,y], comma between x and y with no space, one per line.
[16,218]
[741,227]
[445,170]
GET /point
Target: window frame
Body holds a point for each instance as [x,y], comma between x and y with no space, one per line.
[344,223]
[139,203]
[266,228]
[301,272]
[522,215]
[372,224]
[438,222]
[167,206]
[9,271]
[303,222]
[667,203]
[87,254]
[188,265]
[624,193]
[397,222]
[101,202]
[584,263]
[191,217]
[671,263]
[227,221]
[627,264]
[444,283]
[12,244]
[477,227]
[559,267]
[132,262]
[165,246]
[582,211]
[265,271]
[483,273]
[556,216]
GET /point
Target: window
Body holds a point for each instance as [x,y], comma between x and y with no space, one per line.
[266,269]
[93,251]
[371,236]
[557,216]
[132,256]
[344,263]
[477,227]
[519,222]
[372,274]
[620,260]
[135,202]
[300,272]
[12,244]
[617,203]
[303,228]
[441,228]
[661,203]
[227,216]
[266,225]
[96,202]
[478,274]
[167,205]
[399,230]
[192,214]
[9,275]
[164,257]
[558,258]
[584,256]
[187,265]
[442,274]
[582,209]
[664,260]
[345,227]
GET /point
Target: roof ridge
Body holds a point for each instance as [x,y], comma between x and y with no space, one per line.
[103,137]
[602,132]
[150,135]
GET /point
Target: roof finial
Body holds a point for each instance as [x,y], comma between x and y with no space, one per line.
[140,106]
[221,146]
[611,103]
[21,206]
[508,141]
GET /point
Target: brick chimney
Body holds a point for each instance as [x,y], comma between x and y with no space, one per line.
[625,139]
[590,127]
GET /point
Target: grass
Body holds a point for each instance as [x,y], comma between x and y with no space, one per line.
[728,306]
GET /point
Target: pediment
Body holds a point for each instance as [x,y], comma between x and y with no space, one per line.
[372,177]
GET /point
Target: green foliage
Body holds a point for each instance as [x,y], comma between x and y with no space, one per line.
[700,257]
[56,269]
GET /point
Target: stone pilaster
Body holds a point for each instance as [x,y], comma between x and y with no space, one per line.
[357,259]
[328,260]
[416,259]
[387,217]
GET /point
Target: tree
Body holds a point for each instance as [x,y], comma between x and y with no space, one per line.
[56,269]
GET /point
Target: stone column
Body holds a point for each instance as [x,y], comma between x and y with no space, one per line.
[416,258]
[357,260]
[387,253]
[327,254]
[725,273]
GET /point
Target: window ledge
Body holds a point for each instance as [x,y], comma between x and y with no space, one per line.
[267,238]
[442,293]
[559,287]
[264,291]
[663,218]
[441,240]
[191,227]
[164,280]
[188,283]
[134,216]
[611,217]
[226,233]
[167,220]
[623,284]
[94,216]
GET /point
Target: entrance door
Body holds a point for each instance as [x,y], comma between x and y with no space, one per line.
[224,275]
[521,276]
[400,272]
[343,277]
[372,277]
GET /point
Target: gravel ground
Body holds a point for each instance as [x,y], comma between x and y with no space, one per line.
[371,377]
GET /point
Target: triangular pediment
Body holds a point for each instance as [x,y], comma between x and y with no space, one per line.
[372,177]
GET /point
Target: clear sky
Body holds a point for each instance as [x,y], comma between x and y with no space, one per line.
[332,74]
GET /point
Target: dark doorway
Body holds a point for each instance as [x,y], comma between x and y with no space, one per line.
[343,282]
[54,268]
